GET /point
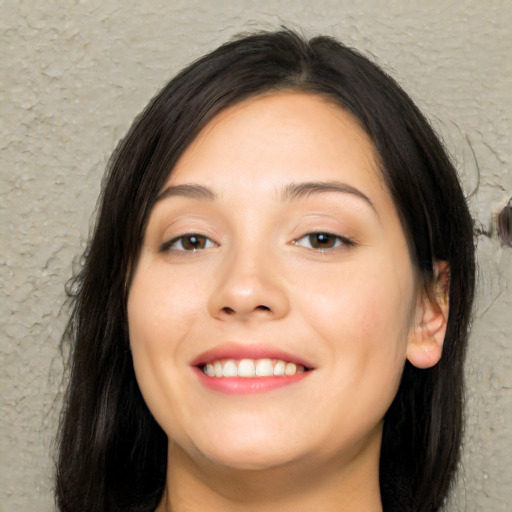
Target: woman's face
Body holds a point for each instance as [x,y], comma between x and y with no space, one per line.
[273,248]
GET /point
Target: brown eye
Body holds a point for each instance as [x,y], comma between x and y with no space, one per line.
[192,242]
[322,241]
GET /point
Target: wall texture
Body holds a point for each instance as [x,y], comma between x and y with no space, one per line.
[73,76]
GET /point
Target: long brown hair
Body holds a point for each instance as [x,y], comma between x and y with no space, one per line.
[112,452]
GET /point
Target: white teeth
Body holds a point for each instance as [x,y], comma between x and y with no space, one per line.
[264,368]
[217,368]
[279,368]
[248,368]
[230,369]
[289,369]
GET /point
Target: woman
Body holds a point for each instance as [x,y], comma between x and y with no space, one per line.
[273,310]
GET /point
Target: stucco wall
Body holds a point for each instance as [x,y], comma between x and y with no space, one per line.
[73,76]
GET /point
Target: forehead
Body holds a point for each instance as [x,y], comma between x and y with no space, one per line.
[277,139]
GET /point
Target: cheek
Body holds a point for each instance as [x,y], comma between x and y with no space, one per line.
[363,317]
[383,304]
[379,316]
[161,307]
[366,306]
[159,320]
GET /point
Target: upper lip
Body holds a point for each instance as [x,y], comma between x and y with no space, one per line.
[233,350]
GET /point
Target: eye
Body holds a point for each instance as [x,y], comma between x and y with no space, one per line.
[191,242]
[322,241]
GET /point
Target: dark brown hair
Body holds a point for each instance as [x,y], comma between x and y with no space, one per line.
[112,452]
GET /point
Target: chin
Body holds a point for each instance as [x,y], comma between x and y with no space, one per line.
[248,454]
[249,461]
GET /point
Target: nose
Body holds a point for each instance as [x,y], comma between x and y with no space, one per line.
[249,286]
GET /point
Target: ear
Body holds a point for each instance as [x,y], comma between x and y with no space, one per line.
[425,344]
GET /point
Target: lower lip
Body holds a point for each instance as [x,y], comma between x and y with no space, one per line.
[247,386]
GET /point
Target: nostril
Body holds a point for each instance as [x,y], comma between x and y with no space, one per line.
[230,311]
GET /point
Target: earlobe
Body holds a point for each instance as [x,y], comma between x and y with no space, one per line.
[425,344]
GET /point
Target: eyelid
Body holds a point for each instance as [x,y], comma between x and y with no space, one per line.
[341,242]
[167,246]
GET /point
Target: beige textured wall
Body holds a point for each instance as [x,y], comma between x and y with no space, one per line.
[73,76]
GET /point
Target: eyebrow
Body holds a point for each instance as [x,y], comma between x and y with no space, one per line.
[304,189]
[191,191]
[290,192]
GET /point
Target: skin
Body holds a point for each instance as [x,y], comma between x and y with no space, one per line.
[352,310]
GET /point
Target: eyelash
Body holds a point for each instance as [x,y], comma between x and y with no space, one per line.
[207,243]
[339,241]
[171,244]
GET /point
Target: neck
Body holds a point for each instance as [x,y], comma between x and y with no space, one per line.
[297,487]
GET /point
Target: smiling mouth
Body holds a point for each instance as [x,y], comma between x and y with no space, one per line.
[251,368]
